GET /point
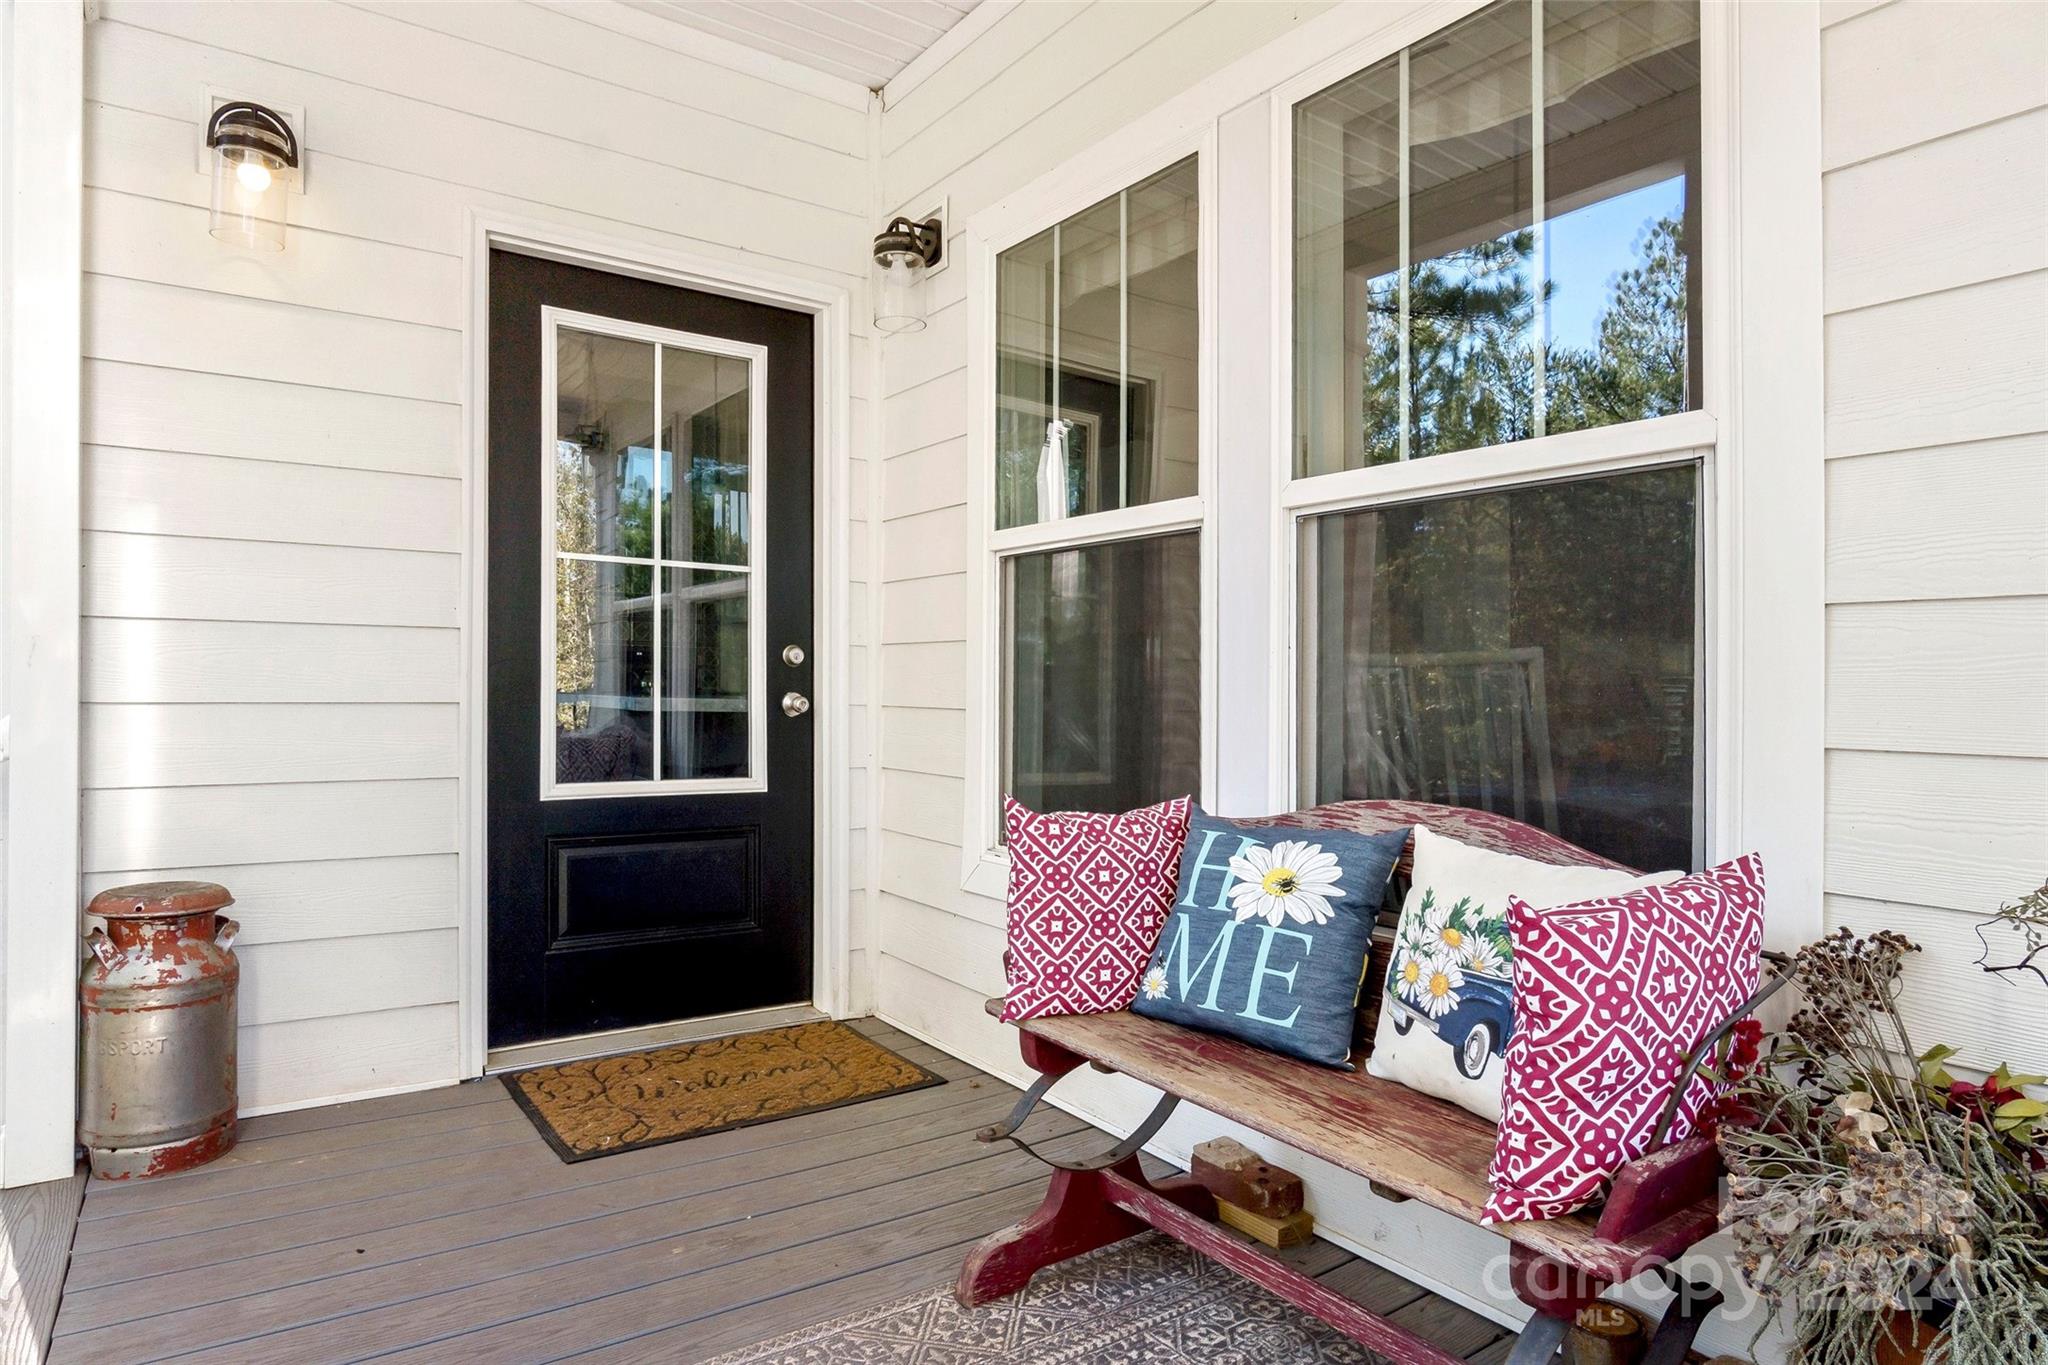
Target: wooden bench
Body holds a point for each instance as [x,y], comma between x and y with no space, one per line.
[1407,1145]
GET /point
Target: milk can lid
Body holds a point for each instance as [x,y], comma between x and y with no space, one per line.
[159,900]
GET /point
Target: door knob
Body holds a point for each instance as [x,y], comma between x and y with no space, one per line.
[795,703]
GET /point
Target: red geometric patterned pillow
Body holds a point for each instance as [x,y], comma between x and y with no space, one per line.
[1088,895]
[1610,996]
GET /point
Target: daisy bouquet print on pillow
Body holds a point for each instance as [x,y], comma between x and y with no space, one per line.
[1610,997]
[1269,933]
[1449,1011]
[1087,896]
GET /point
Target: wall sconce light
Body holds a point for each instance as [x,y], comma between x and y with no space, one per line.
[255,153]
[904,252]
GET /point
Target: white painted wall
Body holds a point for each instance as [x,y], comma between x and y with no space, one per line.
[1935,120]
[273,615]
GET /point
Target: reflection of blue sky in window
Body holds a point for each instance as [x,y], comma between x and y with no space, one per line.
[1589,246]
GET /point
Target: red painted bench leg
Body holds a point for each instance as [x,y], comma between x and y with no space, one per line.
[1075,1218]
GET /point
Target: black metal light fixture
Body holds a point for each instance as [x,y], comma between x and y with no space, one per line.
[904,251]
[255,154]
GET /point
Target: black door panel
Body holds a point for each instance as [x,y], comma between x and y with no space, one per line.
[628,908]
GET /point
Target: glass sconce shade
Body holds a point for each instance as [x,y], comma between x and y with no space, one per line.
[255,155]
[903,253]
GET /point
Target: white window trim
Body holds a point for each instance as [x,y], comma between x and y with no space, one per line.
[1762,505]
[756,357]
[1762,659]
[985,865]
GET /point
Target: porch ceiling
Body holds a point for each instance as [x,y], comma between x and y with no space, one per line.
[868,42]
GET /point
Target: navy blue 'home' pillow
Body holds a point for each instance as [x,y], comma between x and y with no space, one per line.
[1269,934]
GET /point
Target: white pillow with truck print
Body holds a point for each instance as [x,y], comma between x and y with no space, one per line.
[1448,1012]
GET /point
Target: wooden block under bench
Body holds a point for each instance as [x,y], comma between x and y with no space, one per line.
[1238,1175]
[1287,1230]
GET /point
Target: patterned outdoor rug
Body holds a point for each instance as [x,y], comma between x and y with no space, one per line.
[608,1105]
[1146,1301]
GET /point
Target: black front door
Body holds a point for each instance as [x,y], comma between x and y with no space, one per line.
[650,754]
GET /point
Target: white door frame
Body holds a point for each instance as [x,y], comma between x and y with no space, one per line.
[830,306]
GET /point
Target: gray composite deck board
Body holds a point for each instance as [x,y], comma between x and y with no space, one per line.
[36,1223]
[440,1227]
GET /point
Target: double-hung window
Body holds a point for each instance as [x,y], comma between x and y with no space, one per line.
[1096,510]
[1496,251]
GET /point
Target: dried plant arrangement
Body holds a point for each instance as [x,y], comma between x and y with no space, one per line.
[1883,1207]
[2015,939]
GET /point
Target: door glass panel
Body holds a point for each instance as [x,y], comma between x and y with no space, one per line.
[1530,651]
[604,445]
[604,671]
[705,401]
[654,463]
[1102,674]
[705,640]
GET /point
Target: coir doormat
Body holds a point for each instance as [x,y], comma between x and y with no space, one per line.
[607,1105]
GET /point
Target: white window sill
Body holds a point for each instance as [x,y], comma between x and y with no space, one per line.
[987,874]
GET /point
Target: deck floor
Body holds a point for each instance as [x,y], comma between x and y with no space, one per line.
[440,1227]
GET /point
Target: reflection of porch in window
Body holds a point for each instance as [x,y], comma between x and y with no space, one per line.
[1461,246]
[1466,729]
[605,727]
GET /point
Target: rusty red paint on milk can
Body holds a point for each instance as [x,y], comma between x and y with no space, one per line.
[158,1001]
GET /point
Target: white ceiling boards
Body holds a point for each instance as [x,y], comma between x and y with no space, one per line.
[868,42]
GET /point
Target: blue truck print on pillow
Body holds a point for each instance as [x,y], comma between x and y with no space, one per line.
[1269,933]
[1452,972]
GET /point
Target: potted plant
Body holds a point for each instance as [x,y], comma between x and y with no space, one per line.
[1886,1210]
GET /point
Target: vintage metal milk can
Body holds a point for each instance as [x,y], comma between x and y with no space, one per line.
[158,998]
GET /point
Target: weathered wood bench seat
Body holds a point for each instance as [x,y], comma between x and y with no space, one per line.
[1407,1145]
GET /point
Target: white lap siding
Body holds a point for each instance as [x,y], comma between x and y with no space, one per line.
[1935,212]
[274,465]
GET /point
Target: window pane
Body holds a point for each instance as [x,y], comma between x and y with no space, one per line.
[604,445]
[1530,652]
[1090,361]
[1097,327]
[705,407]
[704,647]
[1347,263]
[1024,306]
[1484,356]
[1160,417]
[1471,277]
[1621,165]
[1102,674]
[604,671]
